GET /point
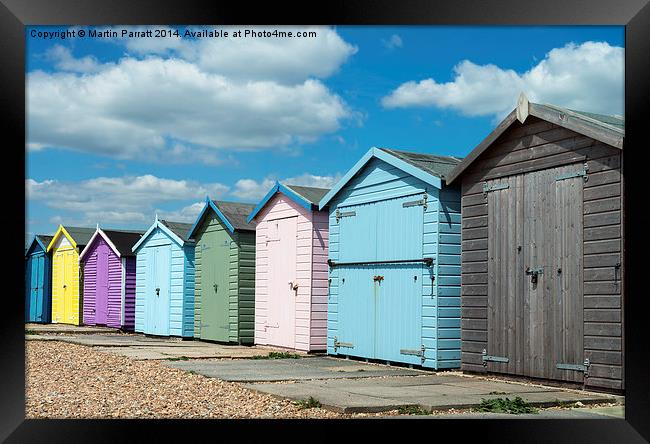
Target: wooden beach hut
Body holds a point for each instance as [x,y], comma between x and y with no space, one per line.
[394,260]
[164,285]
[224,289]
[542,252]
[67,294]
[38,280]
[109,279]
[291,268]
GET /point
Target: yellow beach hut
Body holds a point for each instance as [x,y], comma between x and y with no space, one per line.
[66,277]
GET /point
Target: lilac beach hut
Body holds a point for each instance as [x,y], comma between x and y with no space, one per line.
[108,266]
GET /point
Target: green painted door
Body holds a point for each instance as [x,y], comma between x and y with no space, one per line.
[215,295]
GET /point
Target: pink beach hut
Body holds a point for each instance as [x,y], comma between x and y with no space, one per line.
[291,268]
[108,266]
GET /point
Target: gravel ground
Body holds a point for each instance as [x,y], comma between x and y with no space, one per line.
[73,381]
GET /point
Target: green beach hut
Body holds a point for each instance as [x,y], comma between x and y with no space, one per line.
[224,288]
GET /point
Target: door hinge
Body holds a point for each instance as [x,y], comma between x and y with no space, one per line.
[487,358]
[415,203]
[419,352]
[582,173]
[340,214]
[494,187]
[338,344]
[584,367]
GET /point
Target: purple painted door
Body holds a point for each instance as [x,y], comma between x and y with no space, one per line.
[101,301]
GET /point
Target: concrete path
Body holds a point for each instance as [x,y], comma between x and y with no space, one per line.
[267,370]
[434,392]
[140,347]
[616,412]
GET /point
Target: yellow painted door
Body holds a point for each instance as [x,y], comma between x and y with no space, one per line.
[65,287]
[58,265]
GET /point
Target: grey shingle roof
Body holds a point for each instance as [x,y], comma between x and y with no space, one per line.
[81,235]
[236,213]
[606,121]
[434,164]
[45,239]
[124,240]
[178,228]
[310,194]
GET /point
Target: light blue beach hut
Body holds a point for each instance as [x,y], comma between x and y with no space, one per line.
[394,260]
[164,295]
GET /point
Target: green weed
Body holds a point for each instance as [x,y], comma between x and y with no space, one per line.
[515,406]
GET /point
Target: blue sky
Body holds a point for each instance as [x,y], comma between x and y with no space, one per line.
[122,129]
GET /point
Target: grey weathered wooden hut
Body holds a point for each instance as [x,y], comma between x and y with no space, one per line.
[542,247]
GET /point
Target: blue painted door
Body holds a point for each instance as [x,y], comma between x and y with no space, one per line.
[399,294]
[36,288]
[381,318]
[158,286]
[356,300]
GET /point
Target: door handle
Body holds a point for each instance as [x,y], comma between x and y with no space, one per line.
[293,286]
[157,291]
[216,287]
[534,273]
[378,278]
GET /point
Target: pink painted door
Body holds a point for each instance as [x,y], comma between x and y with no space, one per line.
[101,298]
[281,325]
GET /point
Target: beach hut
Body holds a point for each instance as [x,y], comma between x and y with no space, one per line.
[291,268]
[224,288]
[67,295]
[542,280]
[164,289]
[38,280]
[394,260]
[109,279]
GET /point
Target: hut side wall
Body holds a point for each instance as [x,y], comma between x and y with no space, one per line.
[319,277]
[448,279]
[279,207]
[189,273]
[537,145]
[246,286]
[114,285]
[128,323]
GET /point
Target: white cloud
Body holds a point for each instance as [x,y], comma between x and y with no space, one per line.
[129,200]
[395,41]
[146,109]
[185,214]
[588,77]
[279,59]
[64,60]
[251,189]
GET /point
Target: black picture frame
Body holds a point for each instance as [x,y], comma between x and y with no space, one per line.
[633,14]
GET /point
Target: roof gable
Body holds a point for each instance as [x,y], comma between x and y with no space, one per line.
[307,197]
[77,236]
[429,168]
[165,227]
[119,241]
[39,241]
[606,129]
[232,214]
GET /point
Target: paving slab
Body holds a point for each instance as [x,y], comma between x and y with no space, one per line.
[542,414]
[382,394]
[274,370]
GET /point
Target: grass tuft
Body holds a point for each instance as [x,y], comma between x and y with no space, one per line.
[413,410]
[278,355]
[515,406]
[310,403]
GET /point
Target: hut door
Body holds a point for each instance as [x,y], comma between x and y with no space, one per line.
[101,294]
[158,304]
[399,292]
[68,290]
[282,251]
[215,278]
[37,264]
[535,274]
